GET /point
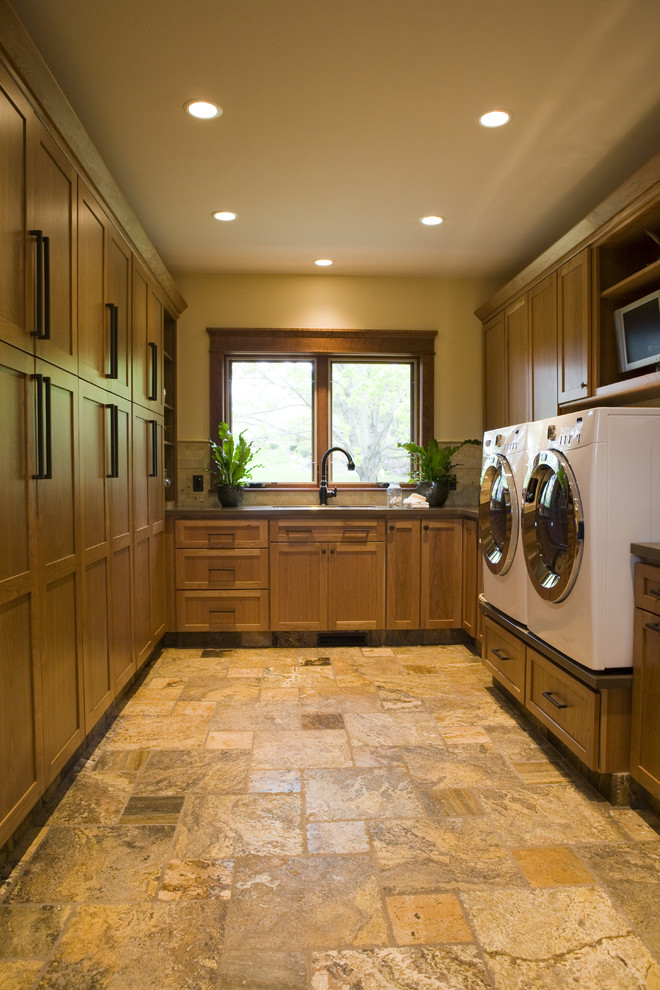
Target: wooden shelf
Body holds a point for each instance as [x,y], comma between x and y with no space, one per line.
[639,280]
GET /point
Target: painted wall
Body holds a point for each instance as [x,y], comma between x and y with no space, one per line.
[340,302]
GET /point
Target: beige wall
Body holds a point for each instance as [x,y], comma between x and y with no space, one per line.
[341,302]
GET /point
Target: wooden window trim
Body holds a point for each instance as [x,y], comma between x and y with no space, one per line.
[263,342]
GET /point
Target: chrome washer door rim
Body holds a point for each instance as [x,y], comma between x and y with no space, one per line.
[552,526]
[498,514]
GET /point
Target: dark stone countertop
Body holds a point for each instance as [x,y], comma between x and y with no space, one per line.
[368,511]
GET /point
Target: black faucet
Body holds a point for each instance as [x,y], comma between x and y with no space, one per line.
[324,494]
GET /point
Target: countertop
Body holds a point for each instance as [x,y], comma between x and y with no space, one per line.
[649,552]
[371,511]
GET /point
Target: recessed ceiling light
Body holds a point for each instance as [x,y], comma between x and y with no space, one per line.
[225,215]
[323,262]
[203,109]
[495,118]
[431,221]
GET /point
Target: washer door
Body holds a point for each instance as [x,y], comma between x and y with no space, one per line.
[552,526]
[498,513]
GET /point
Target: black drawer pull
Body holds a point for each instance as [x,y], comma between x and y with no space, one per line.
[114,340]
[500,655]
[653,627]
[557,704]
[654,593]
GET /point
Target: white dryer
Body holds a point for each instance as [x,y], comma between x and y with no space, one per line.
[592,488]
[503,469]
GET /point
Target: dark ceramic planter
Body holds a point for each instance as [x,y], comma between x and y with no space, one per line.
[435,492]
[230,496]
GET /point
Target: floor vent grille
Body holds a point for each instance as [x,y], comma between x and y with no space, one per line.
[342,639]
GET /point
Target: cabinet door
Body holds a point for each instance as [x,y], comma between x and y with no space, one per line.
[94,321]
[298,586]
[53,274]
[95,427]
[496,412]
[122,659]
[543,334]
[147,342]
[470,580]
[645,738]
[141,542]
[59,544]
[574,328]
[118,309]
[403,574]
[356,586]
[21,781]
[441,581]
[518,364]
[15,116]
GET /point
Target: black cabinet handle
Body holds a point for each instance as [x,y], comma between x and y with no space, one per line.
[654,592]
[500,655]
[557,704]
[42,288]
[154,371]
[154,448]
[426,529]
[653,627]
[114,440]
[44,436]
[392,529]
[114,340]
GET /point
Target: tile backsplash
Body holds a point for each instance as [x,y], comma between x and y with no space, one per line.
[193,458]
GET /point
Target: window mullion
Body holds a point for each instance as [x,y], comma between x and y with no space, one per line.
[321,411]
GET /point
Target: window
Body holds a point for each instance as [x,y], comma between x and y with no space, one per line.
[299,392]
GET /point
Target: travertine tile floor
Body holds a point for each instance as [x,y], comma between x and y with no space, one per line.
[338,819]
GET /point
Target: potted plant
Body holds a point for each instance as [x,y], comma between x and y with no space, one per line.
[231,464]
[433,468]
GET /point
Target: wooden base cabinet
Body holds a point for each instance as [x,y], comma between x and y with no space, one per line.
[441,584]
[403,573]
[645,737]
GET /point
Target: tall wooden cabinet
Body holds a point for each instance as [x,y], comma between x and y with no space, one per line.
[645,739]
[82,582]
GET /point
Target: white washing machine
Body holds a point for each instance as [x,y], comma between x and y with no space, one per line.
[592,488]
[503,469]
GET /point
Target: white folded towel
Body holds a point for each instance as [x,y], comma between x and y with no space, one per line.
[416,501]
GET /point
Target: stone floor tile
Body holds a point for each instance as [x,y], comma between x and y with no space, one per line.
[639,903]
[229,740]
[185,728]
[632,862]
[196,879]
[451,802]
[161,946]
[316,901]
[152,809]
[540,772]
[322,720]
[19,974]
[642,826]
[219,826]
[262,971]
[326,838]
[412,728]
[455,967]
[274,782]
[550,815]
[378,792]
[303,749]
[427,919]
[173,771]
[93,798]
[29,931]
[93,863]
[552,867]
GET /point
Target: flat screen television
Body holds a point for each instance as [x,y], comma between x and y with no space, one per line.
[637,328]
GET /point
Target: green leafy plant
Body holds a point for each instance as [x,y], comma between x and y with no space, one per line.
[433,462]
[232,459]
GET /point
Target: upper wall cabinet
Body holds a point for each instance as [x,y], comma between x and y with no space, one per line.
[543,346]
[496,407]
[15,115]
[148,317]
[574,328]
[516,321]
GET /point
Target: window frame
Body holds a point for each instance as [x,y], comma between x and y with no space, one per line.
[321,346]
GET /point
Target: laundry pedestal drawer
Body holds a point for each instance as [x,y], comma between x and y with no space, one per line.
[504,657]
[565,705]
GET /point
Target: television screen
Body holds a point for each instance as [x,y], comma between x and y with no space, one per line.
[638,332]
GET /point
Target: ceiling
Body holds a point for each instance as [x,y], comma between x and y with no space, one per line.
[345,121]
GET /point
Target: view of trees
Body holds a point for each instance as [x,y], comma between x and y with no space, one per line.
[370,412]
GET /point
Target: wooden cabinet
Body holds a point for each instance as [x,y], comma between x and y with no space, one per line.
[22,779]
[496,407]
[120,537]
[148,532]
[569,708]
[327,574]
[645,738]
[543,347]
[504,657]
[403,573]
[221,575]
[574,328]
[441,585]
[516,323]
[15,122]
[470,570]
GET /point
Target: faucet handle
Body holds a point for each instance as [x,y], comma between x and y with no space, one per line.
[332,493]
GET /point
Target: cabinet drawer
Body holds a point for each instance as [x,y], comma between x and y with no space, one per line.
[504,657]
[221,534]
[221,611]
[244,568]
[647,587]
[568,708]
[327,531]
